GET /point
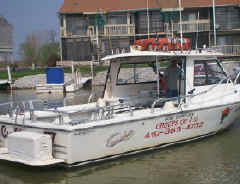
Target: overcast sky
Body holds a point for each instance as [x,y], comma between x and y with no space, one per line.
[27,16]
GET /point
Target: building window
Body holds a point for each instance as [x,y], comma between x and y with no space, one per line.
[77,25]
[61,21]
[117,19]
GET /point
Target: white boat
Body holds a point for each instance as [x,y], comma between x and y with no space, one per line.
[134,115]
[6,84]
[78,84]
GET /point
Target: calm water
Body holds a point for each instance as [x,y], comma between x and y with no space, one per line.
[212,160]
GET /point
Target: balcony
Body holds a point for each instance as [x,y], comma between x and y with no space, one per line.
[112,30]
[229,50]
[119,30]
[192,26]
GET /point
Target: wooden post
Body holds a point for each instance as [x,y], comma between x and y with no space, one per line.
[129,23]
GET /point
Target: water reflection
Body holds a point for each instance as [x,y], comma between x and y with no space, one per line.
[212,160]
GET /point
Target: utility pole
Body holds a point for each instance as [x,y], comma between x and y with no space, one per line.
[180,14]
[214,23]
[148,19]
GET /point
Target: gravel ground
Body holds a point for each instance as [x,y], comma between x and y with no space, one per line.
[30,82]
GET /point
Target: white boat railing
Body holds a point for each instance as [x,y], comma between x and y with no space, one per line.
[95,113]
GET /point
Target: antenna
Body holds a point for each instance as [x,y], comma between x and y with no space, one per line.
[214,23]
[148,18]
[196,46]
[180,14]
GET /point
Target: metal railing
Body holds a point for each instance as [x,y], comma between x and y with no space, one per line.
[15,109]
[192,26]
[119,30]
[112,30]
[228,50]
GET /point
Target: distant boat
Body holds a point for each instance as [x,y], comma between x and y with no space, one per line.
[6,84]
[78,84]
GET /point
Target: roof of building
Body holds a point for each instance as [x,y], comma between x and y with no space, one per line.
[79,6]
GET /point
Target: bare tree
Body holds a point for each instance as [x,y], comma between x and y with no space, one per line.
[52,36]
[38,46]
[30,48]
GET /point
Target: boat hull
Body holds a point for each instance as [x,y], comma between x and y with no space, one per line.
[110,140]
[147,133]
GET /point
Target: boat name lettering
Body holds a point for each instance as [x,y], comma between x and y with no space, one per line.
[175,126]
[172,123]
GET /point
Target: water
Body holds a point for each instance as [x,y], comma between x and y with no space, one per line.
[214,160]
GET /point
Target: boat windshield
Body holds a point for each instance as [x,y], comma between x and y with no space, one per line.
[208,73]
[141,82]
[137,73]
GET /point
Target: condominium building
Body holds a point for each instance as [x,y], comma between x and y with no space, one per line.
[92,29]
[6,45]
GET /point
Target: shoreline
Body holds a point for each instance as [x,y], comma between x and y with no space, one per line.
[30,81]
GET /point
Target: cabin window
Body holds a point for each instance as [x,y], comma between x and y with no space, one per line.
[136,73]
[207,73]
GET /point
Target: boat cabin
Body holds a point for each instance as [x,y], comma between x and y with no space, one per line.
[141,77]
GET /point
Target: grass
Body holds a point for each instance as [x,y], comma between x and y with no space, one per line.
[27,72]
[22,73]
[87,69]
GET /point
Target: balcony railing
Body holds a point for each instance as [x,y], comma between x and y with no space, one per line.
[119,30]
[229,50]
[129,29]
[192,26]
[112,30]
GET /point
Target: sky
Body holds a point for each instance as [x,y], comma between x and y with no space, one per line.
[28,16]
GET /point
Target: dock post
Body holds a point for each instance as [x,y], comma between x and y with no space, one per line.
[9,74]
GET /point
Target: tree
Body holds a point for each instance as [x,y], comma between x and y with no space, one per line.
[39,46]
[30,48]
[47,50]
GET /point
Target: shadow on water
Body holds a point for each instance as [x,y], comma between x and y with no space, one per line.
[215,159]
